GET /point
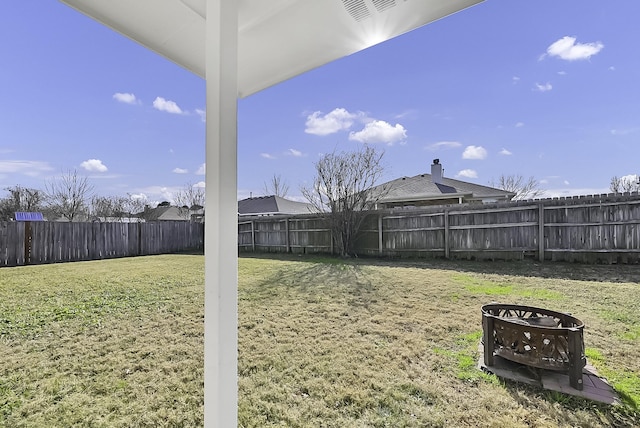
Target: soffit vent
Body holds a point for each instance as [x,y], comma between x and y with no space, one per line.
[382,5]
[357,9]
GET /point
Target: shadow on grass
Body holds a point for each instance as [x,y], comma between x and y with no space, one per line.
[328,274]
[618,416]
[526,268]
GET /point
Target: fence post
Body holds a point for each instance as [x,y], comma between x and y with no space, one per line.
[253,237]
[331,240]
[380,234]
[286,229]
[27,242]
[541,232]
[446,234]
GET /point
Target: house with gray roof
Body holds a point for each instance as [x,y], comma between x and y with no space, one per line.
[434,189]
[165,212]
[272,205]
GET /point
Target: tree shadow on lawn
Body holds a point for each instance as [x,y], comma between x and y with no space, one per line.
[616,415]
[525,268]
[331,275]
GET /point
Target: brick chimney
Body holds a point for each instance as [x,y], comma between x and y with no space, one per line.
[436,172]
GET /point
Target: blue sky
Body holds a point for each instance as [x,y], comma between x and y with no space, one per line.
[541,88]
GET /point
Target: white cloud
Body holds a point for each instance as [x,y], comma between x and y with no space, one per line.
[519,124]
[125,97]
[515,79]
[202,114]
[138,196]
[566,48]
[505,152]
[158,193]
[94,165]
[30,168]
[294,152]
[566,182]
[200,184]
[562,73]
[444,145]
[543,87]
[467,173]
[180,171]
[624,131]
[379,131]
[201,169]
[612,68]
[267,156]
[631,178]
[340,119]
[337,120]
[406,114]
[165,105]
[474,152]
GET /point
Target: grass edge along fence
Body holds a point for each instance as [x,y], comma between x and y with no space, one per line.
[24,243]
[587,229]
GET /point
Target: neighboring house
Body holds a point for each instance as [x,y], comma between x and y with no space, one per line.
[272,205]
[166,213]
[434,189]
[196,212]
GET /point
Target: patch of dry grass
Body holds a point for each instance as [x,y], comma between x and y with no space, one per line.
[377,344]
[322,342]
[102,344]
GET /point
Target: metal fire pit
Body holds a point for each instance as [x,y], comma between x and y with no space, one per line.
[534,337]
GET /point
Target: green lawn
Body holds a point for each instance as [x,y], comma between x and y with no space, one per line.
[322,342]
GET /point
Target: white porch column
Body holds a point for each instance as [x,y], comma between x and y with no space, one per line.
[221,231]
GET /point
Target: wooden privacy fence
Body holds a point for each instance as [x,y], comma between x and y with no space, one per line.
[23,243]
[590,229]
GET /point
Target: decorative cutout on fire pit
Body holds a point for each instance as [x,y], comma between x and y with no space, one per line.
[535,337]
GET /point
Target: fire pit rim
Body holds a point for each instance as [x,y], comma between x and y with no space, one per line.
[568,321]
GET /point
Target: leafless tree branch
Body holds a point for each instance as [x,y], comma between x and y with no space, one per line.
[343,189]
[523,188]
[67,195]
[277,186]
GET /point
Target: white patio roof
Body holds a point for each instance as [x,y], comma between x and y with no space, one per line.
[277,39]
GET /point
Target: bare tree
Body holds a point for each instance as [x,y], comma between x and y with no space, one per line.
[109,207]
[191,197]
[277,186]
[21,199]
[628,183]
[136,206]
[343,188]
[67,195]
[523,188]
